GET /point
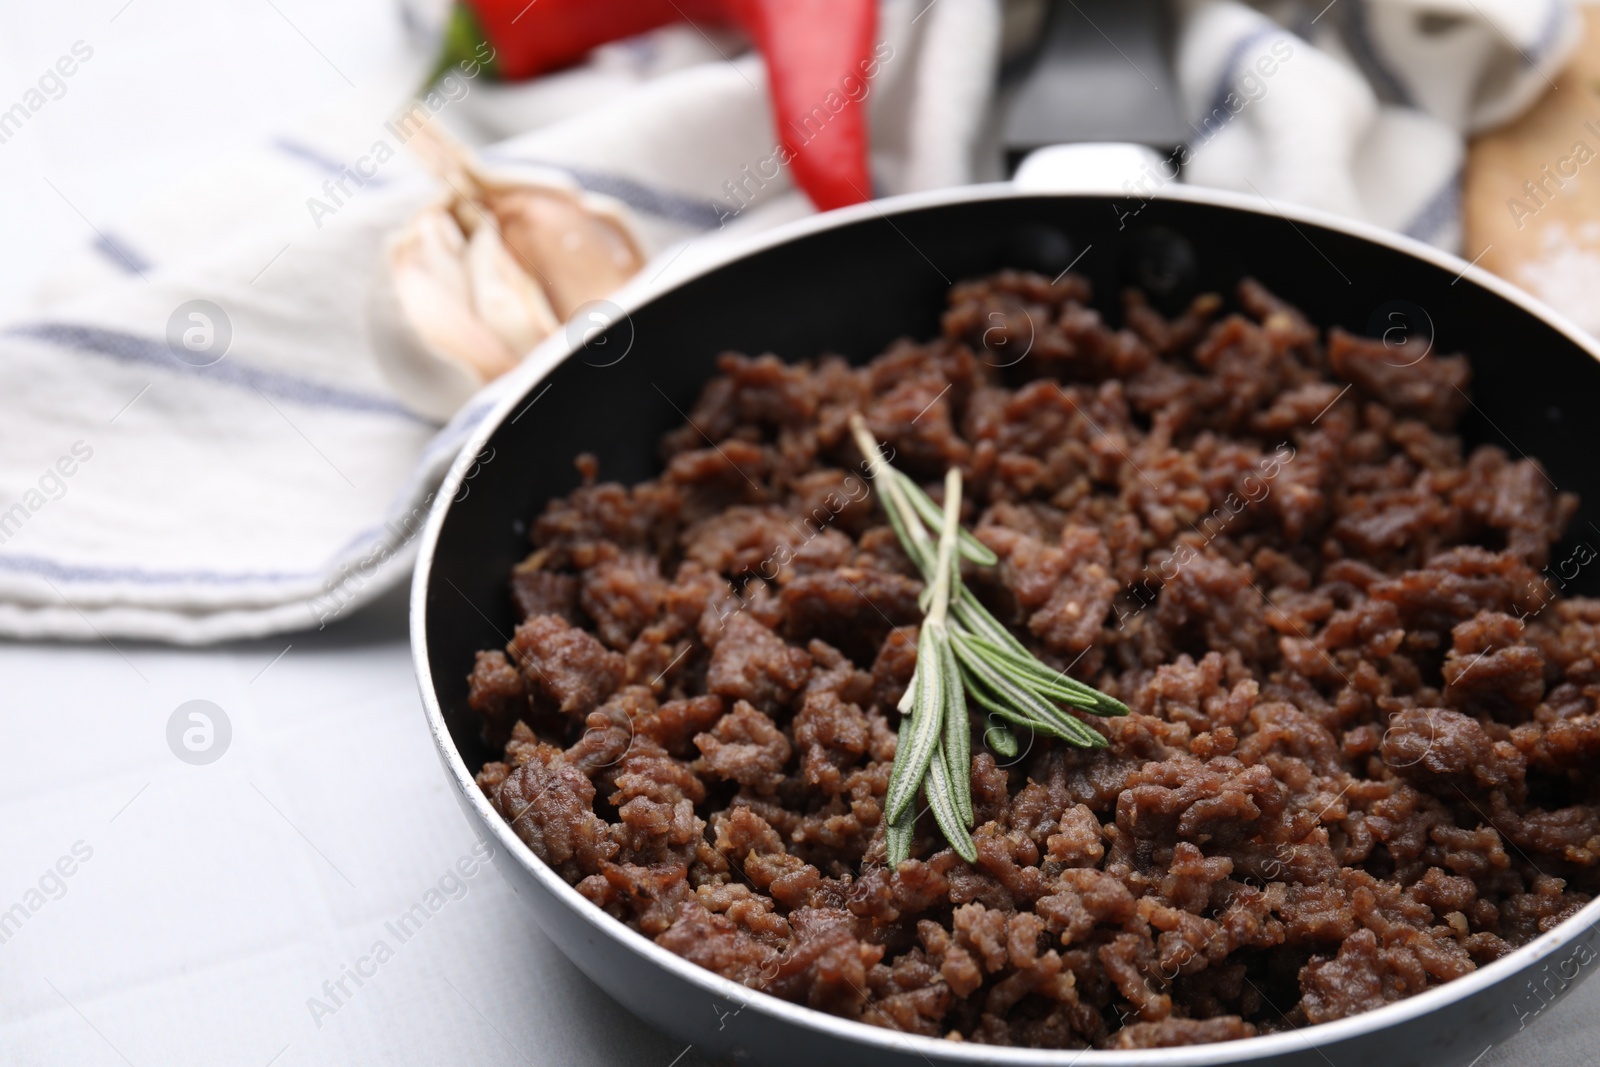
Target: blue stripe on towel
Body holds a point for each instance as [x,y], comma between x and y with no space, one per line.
[78,572]
[133,349]
[684,210]
[1437,212]
[1226,81]
[446,440]
[121,254]
[325,163]
[1359,40]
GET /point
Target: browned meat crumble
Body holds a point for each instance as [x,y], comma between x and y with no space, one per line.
[1363,750]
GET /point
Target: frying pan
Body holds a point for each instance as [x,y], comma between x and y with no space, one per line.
[849,282]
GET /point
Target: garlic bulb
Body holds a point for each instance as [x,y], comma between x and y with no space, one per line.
[473,282]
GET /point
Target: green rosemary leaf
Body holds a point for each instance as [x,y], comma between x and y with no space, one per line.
[969,612]
[916,551]
[1067,723]
[1000,689]
[946,815]
[897,840]
[957,749]
[903,518]
[1087,736]
[1108,706]
[976,618]
[1011,715]
[898,770]
[1048,688]
[998,736]
[930,513]
[898,835]
[908,697]
[1008,693]
[1037,726]
[1047,680]
[986,698]
[927,723]
[1056,685]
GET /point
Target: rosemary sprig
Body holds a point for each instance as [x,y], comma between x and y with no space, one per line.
[962,652]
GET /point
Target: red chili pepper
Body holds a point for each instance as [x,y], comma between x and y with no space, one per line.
[530,39]
[819,56]
[819,59]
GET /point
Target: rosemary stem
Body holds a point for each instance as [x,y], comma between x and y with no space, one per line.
[963,654]
[947,548]
[902,513]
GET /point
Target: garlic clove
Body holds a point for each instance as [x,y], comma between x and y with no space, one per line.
[433,242]
[435,298]
[508,301]
[450,326]
[425,380]
[579,250]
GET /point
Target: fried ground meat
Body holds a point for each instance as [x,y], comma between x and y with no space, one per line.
[1364,742]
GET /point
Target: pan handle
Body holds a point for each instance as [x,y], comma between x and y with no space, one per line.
[1109,167]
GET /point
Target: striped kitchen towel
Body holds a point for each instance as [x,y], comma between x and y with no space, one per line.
[1360,107]
[202,441]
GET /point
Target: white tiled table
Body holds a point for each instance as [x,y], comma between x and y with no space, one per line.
[217,899]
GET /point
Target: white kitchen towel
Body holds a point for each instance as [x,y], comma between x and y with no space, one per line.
[201,443]
[1360,107]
